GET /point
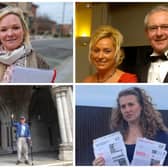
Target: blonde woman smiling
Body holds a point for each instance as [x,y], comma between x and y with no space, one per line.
[106,55]
[15,48]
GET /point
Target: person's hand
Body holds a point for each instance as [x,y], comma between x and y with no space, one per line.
[99,161]
[29,141]
[12,116]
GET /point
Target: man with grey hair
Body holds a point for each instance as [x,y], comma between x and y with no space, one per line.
[155,68]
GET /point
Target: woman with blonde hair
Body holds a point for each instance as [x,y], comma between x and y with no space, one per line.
[15,46]
[106,55]
[136,117]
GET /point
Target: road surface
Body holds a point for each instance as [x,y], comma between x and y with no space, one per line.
[58,52]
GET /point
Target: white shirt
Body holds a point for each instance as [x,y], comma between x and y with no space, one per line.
[157,70]
[23,128]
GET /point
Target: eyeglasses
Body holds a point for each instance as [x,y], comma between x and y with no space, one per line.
[154,28]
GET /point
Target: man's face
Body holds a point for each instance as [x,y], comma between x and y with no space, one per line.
[22,120]
[157,31]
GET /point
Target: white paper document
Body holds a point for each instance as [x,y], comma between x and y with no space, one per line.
[32,75]
[112,148]
[148,152]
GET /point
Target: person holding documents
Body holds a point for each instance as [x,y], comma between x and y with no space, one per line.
[135,117]
[15,46]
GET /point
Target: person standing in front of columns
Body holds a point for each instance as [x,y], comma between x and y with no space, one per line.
[106,55]
[23,139]
[154,67]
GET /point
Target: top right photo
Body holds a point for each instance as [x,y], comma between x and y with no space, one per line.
[121,42]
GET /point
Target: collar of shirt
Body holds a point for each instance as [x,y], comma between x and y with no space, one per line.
[154,54]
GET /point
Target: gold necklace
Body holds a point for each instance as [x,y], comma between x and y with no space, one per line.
[108,77]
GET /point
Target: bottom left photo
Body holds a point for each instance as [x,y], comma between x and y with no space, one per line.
[36,125]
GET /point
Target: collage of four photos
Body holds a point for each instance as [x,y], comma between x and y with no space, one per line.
[83,83]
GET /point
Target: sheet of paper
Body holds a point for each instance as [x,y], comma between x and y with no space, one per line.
[32,75]
[112,148]
[148,152]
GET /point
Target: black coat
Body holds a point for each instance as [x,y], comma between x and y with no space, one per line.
[143,64]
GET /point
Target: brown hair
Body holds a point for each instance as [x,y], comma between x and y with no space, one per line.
[150,119]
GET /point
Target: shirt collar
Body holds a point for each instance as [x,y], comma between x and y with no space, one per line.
[154,54]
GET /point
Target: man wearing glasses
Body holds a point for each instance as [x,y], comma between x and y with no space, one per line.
[155,68]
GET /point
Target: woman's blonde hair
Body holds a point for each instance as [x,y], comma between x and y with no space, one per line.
[18,12]
[107,31]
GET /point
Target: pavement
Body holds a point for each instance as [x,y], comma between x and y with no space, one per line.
[39,159]
[65,71]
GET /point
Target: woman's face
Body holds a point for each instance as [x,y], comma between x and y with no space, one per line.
[130,108]
[103,54]
[11,32]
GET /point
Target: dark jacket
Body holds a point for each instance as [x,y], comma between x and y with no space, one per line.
[143,65]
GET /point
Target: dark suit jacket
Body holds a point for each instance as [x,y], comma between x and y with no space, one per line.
[143,64]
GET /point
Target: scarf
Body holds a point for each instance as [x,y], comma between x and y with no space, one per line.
[16,57]
[12,57]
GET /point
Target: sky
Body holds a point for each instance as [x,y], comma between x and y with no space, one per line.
[105,95]
[55,10]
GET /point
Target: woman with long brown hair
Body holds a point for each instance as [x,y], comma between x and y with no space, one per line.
[135,116]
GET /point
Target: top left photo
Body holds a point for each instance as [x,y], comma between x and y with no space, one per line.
[36,42]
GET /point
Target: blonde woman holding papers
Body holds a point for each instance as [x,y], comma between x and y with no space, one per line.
[15,48]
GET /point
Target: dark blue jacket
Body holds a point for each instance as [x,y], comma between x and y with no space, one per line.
[18,129]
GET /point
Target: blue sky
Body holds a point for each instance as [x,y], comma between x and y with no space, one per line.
[105,95]
[55,10]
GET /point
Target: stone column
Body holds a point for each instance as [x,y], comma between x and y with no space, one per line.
[71,103]
[61,118]
[67,116]
[65,151]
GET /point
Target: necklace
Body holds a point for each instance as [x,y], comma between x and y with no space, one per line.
[108,77]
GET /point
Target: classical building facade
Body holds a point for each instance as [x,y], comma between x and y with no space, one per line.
[49,111]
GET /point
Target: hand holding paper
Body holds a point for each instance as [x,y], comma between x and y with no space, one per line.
[17,74]
[112,148]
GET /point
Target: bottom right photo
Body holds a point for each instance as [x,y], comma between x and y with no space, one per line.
[121,125]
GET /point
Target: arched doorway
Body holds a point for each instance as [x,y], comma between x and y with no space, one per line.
[37,104]
[44,120]
[5,129]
